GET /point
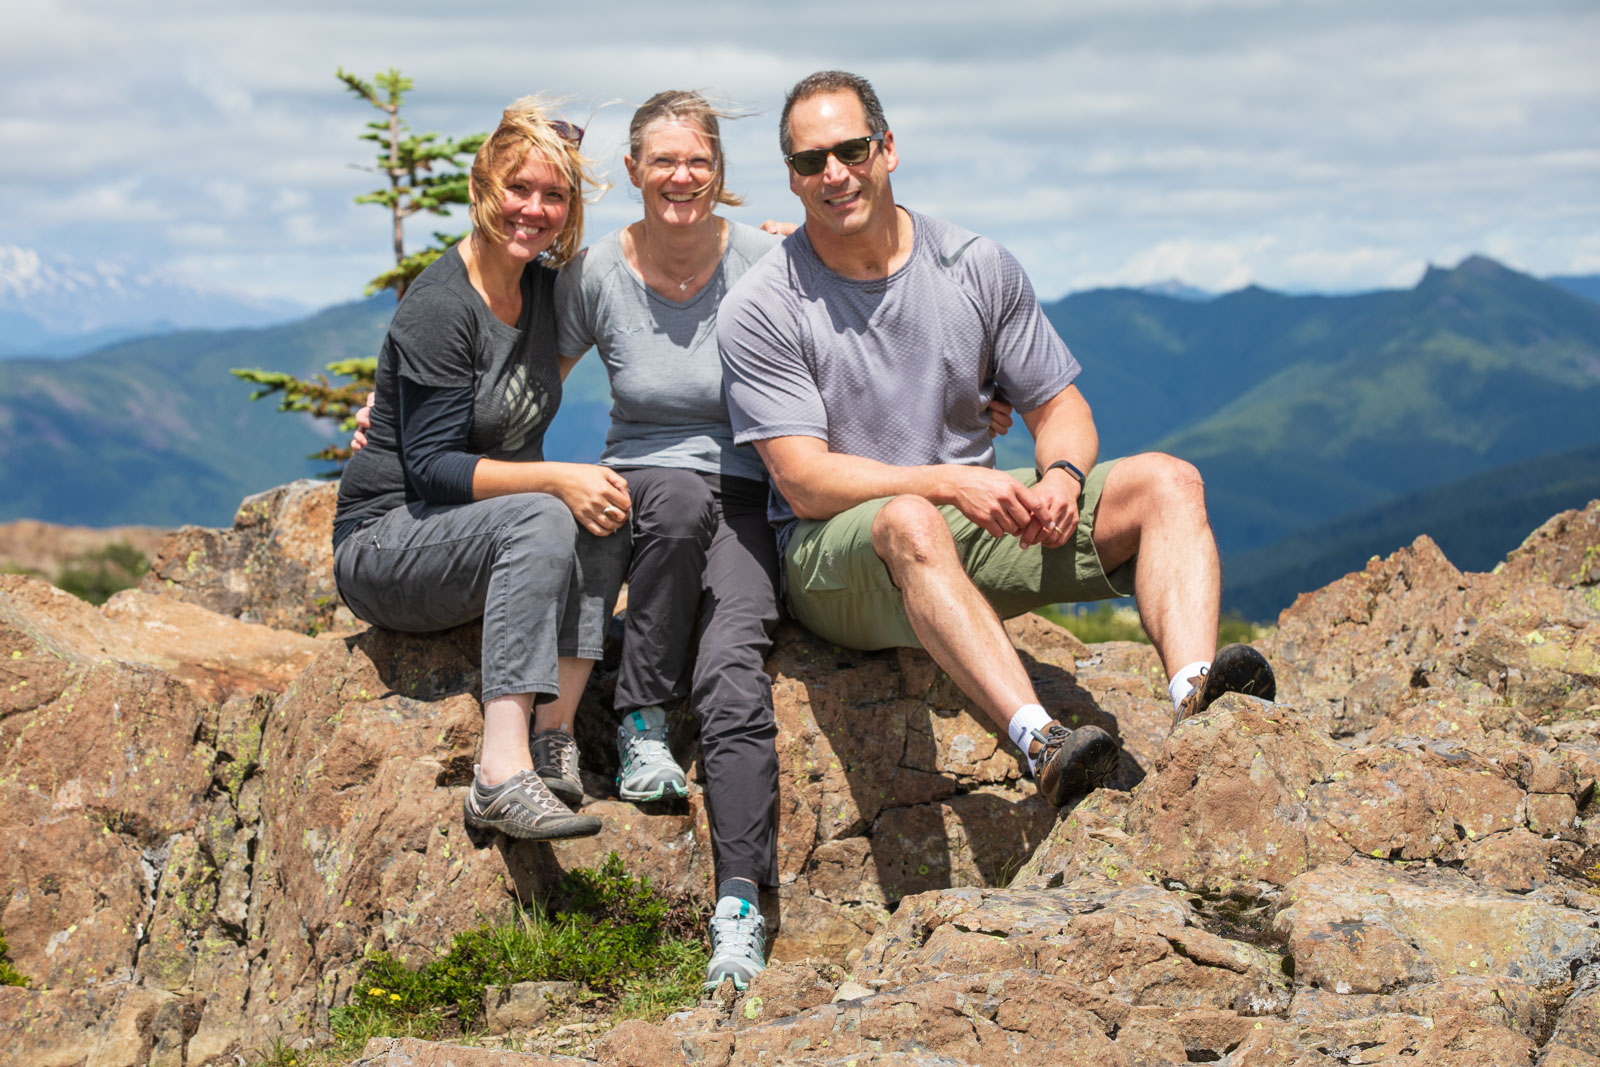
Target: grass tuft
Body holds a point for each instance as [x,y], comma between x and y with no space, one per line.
[9,975]
[634,953]
[96,576]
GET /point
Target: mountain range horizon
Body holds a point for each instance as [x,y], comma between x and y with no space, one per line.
[57,306]
[1327,427]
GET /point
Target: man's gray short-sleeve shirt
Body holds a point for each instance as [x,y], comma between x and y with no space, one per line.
[899,369]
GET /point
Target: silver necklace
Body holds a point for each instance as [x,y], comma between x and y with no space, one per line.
[683,286]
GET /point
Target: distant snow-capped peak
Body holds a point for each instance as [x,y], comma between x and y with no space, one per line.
[66,296]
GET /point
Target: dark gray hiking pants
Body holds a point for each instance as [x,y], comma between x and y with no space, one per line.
[704,580]
[543,585]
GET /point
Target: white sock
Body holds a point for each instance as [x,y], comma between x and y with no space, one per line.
[1182,683]
[1024,721]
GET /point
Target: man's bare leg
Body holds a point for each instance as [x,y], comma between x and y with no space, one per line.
[960,630]
[955,623]
[1154,507]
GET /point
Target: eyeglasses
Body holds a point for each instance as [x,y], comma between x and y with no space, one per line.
[698,166]
[850,153]
[567,131]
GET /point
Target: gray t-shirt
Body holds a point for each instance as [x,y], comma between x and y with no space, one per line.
[668,408]
[444,336]
[899,369]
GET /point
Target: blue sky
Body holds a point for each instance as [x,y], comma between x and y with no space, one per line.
[1309,145]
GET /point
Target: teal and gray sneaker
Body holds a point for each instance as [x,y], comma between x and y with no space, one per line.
[738,942]
[648,771]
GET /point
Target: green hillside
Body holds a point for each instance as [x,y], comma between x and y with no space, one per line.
[1475,522]
[156,431]
[1300,409]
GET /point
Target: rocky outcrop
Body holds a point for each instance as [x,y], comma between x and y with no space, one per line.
[275,566]
[128,736]
[1395,861]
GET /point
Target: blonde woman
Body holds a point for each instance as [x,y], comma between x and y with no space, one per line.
[451,513]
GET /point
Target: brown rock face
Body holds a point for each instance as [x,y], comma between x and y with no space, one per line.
[275,566]
[208,823]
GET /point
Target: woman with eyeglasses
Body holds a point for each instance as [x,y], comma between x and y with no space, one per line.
[451,513]
[702,598]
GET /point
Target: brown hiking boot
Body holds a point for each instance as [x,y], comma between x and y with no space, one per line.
[1236,669]
[1071,763]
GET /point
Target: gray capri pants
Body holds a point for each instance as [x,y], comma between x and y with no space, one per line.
[543,585]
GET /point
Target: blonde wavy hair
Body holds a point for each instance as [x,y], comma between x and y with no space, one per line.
[526,127]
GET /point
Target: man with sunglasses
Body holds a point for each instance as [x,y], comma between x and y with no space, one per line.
[860,359]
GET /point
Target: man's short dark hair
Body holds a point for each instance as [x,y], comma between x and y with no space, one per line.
[831,81]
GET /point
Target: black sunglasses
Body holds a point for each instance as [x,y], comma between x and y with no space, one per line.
[851,152]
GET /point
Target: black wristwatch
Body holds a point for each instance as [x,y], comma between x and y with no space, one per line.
[1067,466]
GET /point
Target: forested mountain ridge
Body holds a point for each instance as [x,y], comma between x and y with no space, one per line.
[1299,410]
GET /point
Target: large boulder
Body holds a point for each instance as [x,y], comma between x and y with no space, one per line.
[1411,625]
[128,738]
[274,566]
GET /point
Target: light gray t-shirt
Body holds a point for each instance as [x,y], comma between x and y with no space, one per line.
[899,369]
[668,408]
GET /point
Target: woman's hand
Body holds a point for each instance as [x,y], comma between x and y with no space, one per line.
[363,423]
[781,228]
[597,496]
[999,418]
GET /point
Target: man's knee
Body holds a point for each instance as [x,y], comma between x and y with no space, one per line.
[676,503]
[1157,486]
[910,530]
[1181,488]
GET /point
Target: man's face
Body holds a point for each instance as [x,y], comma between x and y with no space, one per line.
[840,200]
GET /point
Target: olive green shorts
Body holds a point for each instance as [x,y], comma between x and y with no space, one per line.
[840,590]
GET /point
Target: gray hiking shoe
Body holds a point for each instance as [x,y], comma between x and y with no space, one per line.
[521,807]
[738,942]
[1073,762]
[648,771]
[555,759]
[1236,669]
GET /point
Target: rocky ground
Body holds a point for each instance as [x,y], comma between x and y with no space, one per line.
[209,817]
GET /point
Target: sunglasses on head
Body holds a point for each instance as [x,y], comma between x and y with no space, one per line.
[567,131]
[851,152]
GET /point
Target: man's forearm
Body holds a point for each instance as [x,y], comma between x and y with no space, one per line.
[819,484]
[1063,428]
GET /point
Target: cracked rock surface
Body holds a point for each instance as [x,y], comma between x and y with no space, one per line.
[208,821]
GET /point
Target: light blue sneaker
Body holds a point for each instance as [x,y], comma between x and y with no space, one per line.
[648,771]
[738,943]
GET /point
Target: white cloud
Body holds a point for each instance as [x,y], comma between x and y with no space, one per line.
[1288,143]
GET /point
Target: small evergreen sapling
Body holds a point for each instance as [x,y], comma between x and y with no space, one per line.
[422,172]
